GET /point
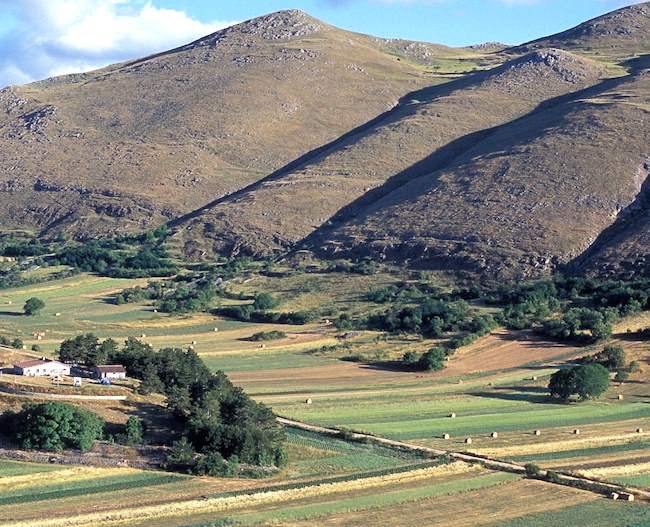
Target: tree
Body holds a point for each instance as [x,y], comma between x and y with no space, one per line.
[134,431]
[33,306]
[55,426]
[82,349]
[410,358]
[563,384]
[433,360]
[592,380]
[612,357]
[587,381]
[17,343]
[264,302]
[621,376]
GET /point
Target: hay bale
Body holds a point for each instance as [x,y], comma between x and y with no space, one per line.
[534,377]
[630,497]
[576,431]
[639,430]
[40,337]
[327,321]
[143,336]
[537,432]
[262,346]
[308,401]
[620,397]
[155,311]
[494,435]
[446,436]
[452,415]
[614,495]
[191,348]
[216,330]
[57,314]
[194,343]
[468,440]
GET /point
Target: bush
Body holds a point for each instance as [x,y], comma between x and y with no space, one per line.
[410,358]
[611,357]
[36,348]
[433,360]
[33,306]
[532,470]
[213,464]
[264,302]
[55,426]
[17,343]
[268,335]
[134,431]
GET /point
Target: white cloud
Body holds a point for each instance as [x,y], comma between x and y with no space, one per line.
[55,37]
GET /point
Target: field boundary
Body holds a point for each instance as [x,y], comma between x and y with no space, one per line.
[42,395]
[562,478]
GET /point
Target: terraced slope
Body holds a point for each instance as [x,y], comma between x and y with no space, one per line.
[139,143]
[424,133]
[533,195]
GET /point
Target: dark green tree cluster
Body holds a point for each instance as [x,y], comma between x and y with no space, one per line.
[587,381]
[53,426]
[214,415]
[432,360]
[581,324]
[109,259]
[86,350]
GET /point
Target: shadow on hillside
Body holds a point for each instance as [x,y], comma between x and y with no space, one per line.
[390,366]
[11,314]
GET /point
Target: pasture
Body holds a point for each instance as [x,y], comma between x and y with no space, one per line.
[496,385]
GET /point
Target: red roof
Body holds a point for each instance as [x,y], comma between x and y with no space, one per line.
[35,362]
[111,368]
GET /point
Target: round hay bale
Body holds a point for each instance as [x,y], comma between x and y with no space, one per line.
[155,311]
[9,302]
[639,430]
[614,495]
[191,348]
[327,321]
[452,415]
[446,436]
[40,337]
[576,431]
[534,377]
[468,440]
[620,397]
[494,435]
[57,314]
[143,336]
[262,346]
[447,359]
[308,401]
[537,432]
[194,343]
[216,330]
[630,497]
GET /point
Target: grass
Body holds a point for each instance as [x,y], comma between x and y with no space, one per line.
[599,513]
[380,499]
[18,468]
[84,487]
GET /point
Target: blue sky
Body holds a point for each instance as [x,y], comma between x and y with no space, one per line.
[41,38]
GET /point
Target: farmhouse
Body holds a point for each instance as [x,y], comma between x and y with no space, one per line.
[41,368]
[112,371]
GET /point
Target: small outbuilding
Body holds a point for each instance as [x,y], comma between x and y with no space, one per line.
[41,368]
[111,371]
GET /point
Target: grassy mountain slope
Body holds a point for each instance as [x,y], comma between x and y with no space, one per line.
[621,33]
[531,196]
[425,132]
[139,143]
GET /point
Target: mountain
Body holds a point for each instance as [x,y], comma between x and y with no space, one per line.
[537,194]
[422,134]
[139,143]
[621,33]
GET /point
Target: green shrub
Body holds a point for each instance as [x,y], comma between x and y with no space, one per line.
[54,426]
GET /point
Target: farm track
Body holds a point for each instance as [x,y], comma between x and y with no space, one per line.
[565,478]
